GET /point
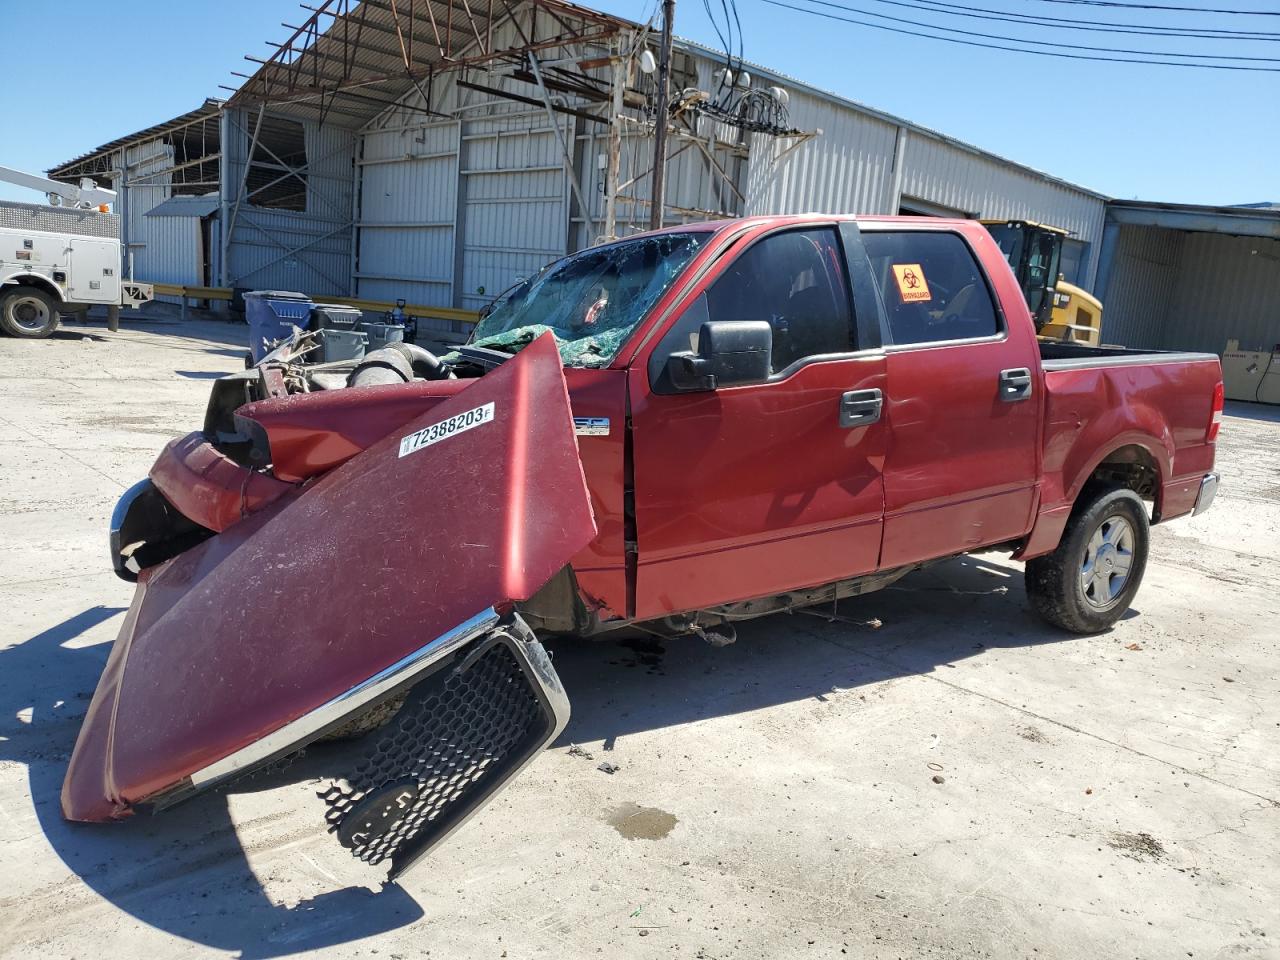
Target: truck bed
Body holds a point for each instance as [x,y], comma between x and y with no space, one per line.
[1074,356]
[1149,408]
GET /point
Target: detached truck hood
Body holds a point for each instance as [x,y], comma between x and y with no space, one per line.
[395,571]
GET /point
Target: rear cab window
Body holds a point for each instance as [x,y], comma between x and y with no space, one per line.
[932,287]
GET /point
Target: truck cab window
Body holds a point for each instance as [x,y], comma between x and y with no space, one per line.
[932,288]
[794,280]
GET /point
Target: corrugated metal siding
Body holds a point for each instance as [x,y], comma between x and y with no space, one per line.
[284,249]
[501,212]
[450,208]
[848,169]
[261,257]
[1227,288]
[947,174]
[173,253]
[515,203]
[1172,290]
[408,202]
[1141,288]
[163,249]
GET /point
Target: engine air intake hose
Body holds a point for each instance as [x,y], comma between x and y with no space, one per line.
[398,363]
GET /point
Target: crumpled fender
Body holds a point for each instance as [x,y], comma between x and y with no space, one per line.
[470,507]
[313,432]
[208,487]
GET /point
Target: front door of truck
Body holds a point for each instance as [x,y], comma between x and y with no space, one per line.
[961,404]
[752,490]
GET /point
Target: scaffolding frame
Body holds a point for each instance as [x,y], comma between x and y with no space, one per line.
[346,52]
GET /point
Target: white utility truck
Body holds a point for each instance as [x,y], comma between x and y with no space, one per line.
[60,258]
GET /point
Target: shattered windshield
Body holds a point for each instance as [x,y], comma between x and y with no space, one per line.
[591,301]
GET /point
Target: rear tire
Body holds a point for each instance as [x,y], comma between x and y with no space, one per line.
[28,313]
[1088,582]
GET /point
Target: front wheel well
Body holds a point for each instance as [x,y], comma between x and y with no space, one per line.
[37,283]
[1130,467]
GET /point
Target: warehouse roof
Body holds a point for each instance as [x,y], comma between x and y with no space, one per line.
[349,61]
[88,164]
[1242,221]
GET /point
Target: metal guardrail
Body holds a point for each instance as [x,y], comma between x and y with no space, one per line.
[191,293]
[369,306]
[194,293]
[410,309]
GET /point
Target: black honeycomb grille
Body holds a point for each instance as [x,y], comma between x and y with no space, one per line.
[456,734]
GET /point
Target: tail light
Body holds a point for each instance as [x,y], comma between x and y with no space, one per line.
[1215,418]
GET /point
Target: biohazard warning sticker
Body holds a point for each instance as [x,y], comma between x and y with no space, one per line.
[912,286]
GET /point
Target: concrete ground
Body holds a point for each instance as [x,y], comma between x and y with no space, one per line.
[940,776]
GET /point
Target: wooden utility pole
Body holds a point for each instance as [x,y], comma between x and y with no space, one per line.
[613,163]
[658,199]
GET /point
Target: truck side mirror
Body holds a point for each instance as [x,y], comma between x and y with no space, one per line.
[730,353]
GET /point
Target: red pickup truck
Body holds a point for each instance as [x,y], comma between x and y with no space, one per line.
[666,434]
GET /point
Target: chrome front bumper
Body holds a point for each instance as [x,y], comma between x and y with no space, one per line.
[485,701]
[146,530]
[116,536]
[1208,490]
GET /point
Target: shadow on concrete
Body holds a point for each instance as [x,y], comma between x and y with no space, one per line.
[200,374]
[183,871]
[1266,412]
[923,624]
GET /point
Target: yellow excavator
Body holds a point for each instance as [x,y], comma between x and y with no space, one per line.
[1061,310]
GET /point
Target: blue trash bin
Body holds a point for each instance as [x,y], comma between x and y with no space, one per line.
[272,315]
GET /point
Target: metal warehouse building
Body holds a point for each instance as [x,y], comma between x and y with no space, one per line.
[438,151]
[1191,277]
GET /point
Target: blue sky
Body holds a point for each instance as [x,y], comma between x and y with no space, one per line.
[1146,132]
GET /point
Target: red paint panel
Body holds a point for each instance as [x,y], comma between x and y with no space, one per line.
[601,566]
[208,487]
[1090,413]
[963,465]
[753,490]
[324,588]
[313,432]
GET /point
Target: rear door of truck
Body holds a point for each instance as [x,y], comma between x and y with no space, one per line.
[962,402]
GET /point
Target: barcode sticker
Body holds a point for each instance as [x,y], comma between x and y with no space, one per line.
[459,423]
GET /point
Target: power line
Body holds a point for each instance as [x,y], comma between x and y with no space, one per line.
[1048,43]
[1031,19]
[992,46]
[1161,6]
